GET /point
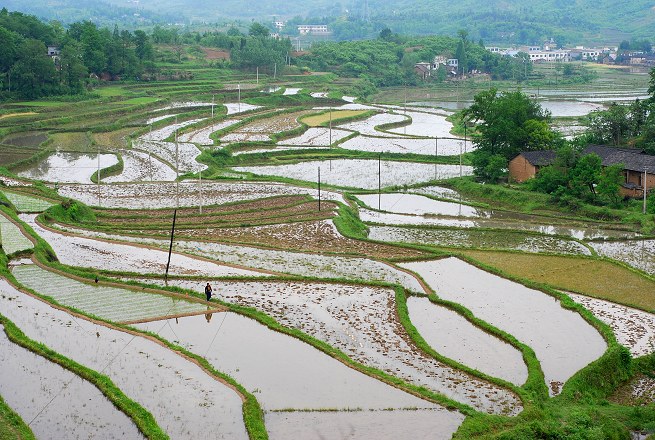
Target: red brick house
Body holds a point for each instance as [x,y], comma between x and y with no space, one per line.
[527,164]
[636,165]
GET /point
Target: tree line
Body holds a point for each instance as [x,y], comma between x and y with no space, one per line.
[82,51]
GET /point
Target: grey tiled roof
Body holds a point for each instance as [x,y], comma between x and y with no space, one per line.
[540,158]
[631,158]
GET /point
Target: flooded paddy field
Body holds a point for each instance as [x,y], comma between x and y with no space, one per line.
[188,193]
[250,352]
[309,235]
[476,238]
[436,424]
[201,136]
[473,346]
[102,255]
[294,263]
[513,222]
[361,322]
[184,400]
[54,401]
[639,254]
[427,147]
[419,205]
[316,137]
[562,340]
[359,173]
[69,167]
[139,166]
[369,126]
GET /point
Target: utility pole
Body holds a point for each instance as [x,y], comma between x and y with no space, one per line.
[200,184]
[170,247]
[330,144]
[274,70]
[460,159]
[319,188]
[98,175]
[257,74]
[177,171]
[212,105]
[239,89]
[380,181]
[436,154]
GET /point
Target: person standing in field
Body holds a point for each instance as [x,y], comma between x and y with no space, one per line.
[208,292]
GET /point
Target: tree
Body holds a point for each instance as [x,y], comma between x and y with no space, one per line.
[73,71]
[258,30]
[609,183]
[386,34]
[586,174]
[508,123]
[34,71]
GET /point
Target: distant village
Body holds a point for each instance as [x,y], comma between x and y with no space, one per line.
[548,54]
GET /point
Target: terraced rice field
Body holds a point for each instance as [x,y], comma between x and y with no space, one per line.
[191,193]
[11,238]
[106,302]
[144,370]
[300,299]
[69,167]
[476,238]
[360,173]
[562,340]
[62,405]
[360,322]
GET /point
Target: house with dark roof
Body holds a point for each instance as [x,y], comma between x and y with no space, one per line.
[527,164]
[638,167]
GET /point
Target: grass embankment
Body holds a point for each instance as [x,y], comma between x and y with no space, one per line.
[520,198]
[12,427]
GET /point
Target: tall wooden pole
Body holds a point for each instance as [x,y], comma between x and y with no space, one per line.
[170,247]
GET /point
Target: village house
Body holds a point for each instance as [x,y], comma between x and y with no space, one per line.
[313,29]
[636,164]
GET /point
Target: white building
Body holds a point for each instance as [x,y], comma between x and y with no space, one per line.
[314,29]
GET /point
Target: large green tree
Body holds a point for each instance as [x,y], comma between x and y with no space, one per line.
[506,124]
[34,72]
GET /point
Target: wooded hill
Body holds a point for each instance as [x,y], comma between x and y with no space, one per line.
[525,22]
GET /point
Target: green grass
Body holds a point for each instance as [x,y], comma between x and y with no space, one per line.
[25,203]
[141,100]
[12,427]
[337,116]
[588,276]
[40,103]
[111,91]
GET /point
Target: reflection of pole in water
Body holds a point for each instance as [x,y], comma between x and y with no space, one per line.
[436,154]
[200,184]
[460,159]
[379,181]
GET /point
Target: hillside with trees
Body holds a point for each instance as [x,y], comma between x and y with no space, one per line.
[526,22]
